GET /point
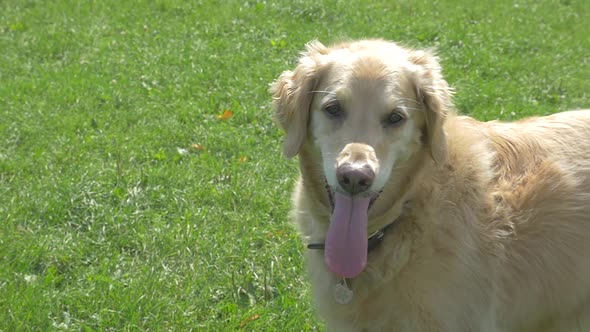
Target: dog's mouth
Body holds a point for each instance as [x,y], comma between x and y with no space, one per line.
[331,192]
[345,248]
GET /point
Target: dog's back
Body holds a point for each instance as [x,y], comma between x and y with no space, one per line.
[541,190]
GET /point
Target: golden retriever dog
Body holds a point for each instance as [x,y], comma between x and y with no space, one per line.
[418,219]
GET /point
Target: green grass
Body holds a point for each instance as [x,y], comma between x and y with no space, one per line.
[127,204]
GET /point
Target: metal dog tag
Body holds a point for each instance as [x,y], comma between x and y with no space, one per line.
[342,294]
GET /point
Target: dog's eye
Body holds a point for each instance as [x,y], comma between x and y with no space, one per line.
[334,110]
[394,118]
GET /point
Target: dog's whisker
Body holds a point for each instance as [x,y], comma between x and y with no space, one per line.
[410,100]
[399,167]
[321,91]
[412,108]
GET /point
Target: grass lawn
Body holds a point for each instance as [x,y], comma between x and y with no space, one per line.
[142,185]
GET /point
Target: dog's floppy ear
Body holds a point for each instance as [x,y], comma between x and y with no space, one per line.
[436,96]
[292,96]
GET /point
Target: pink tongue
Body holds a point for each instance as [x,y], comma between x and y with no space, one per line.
[346,242]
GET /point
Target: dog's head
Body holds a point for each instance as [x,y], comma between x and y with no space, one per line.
[368,107]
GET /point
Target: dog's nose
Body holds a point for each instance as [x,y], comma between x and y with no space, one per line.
[355,178]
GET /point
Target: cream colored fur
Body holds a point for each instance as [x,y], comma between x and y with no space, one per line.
[493,219]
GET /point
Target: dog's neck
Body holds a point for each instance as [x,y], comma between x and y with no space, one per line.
[374,240]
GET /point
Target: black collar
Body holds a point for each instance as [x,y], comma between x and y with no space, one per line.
[373,242]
